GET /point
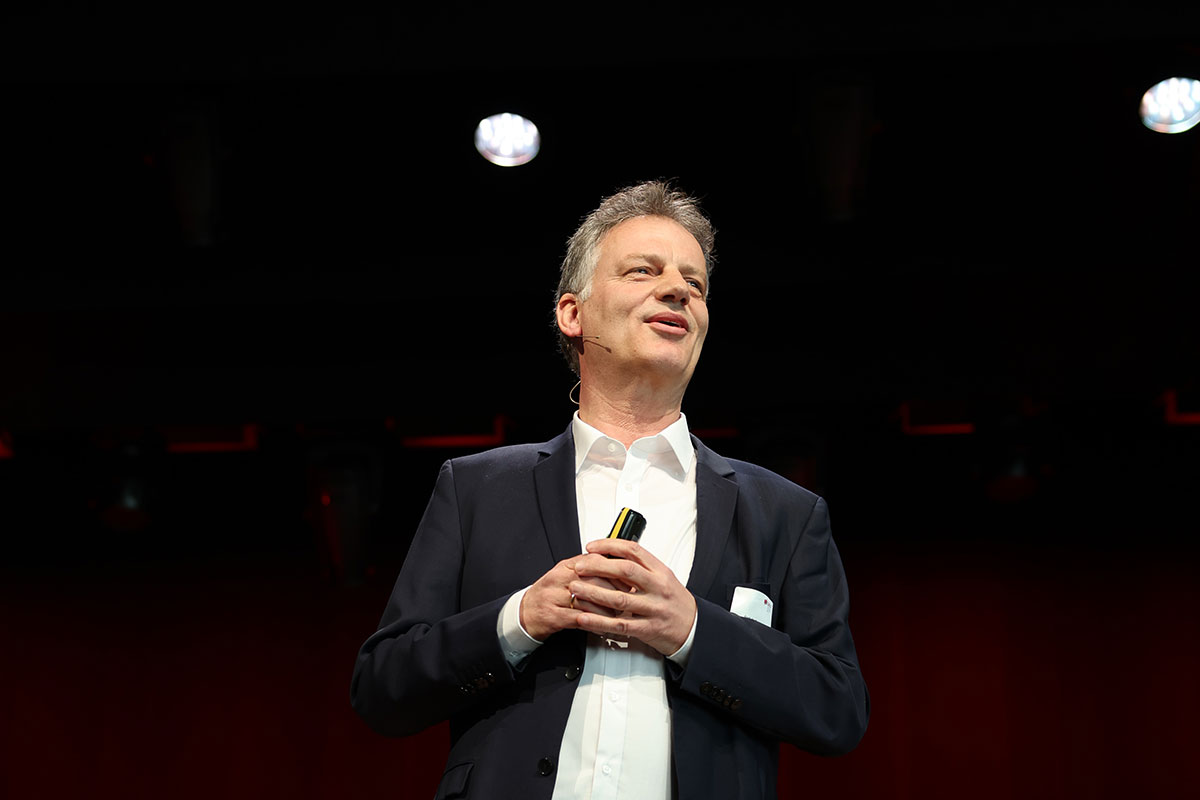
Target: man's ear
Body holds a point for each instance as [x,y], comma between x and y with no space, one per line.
[567,312]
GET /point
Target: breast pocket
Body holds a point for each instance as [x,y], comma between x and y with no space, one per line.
[752,601]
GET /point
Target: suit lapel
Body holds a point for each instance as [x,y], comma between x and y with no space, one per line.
[716,500]
[554,480]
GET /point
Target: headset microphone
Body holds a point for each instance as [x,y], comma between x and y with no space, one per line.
[588,339]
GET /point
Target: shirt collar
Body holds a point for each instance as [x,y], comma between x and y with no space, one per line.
[675,435]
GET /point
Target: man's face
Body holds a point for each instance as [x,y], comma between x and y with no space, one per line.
[647,303]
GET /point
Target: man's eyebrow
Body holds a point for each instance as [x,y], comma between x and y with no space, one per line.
[653,258]
[657,261]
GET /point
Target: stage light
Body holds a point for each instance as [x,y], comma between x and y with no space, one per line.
[507,139]
[1171,106]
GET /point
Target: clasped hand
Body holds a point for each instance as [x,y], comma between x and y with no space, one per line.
[616,587]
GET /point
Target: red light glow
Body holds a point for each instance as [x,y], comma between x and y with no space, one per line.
[1173,415]
[212,440]
[493,439]
[937,429]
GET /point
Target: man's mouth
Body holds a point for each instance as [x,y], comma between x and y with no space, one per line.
[670,320]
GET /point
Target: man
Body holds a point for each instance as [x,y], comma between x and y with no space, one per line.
[571,665]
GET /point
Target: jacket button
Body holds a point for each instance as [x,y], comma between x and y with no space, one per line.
[572,672]
[736,704]
[545,766]
[706,689]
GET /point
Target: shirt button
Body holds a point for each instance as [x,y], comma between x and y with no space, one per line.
[612,448]
[606,769]
[629,487]
[614,696]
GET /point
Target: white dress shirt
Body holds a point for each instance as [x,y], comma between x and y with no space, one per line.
[617,743]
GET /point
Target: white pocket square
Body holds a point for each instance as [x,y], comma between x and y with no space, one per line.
[752,604]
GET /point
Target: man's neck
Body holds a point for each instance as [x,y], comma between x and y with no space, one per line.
[629,413]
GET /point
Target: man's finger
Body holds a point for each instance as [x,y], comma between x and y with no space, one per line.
[614,570]
[588,607]
[623,548]
[605,583]
[622,626]
[611,599]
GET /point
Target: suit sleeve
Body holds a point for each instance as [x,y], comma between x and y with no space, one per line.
[430,659]
[799,680]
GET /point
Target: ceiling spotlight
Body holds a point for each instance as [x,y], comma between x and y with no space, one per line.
[1172,106]
[507,139]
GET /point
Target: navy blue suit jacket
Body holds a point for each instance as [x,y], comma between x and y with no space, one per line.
[499,520]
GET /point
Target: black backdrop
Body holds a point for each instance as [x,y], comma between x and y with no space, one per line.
[257,284]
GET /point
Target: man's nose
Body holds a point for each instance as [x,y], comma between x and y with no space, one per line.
[672,287]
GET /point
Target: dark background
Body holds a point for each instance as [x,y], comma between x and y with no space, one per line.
[256,284]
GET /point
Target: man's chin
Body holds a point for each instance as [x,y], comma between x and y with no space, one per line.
[668,370]
[663,367]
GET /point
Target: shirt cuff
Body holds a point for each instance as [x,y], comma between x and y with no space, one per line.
[681,655]
[514,639]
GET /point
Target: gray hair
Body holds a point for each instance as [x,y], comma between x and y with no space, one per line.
[649,199]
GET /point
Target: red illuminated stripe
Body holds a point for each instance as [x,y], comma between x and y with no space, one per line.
[939,429]
[6,450]
[716,433]
[493,439]
[247,443]
[1173,415]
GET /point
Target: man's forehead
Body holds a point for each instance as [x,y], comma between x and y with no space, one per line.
[642,237]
